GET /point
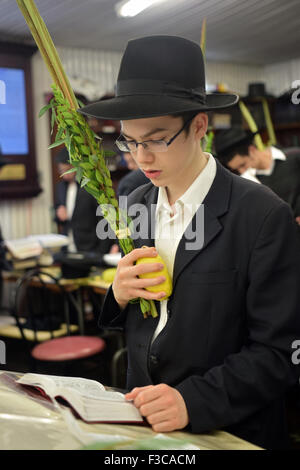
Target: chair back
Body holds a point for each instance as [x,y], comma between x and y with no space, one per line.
[40,307]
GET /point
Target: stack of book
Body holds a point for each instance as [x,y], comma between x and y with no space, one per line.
[35,250]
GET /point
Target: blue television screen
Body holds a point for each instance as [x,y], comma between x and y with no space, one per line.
[13,117]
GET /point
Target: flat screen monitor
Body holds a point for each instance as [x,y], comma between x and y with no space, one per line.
[13,114]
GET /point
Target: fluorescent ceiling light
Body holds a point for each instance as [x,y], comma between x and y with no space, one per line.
[134,7]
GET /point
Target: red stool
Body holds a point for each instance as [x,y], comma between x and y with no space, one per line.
[68,348]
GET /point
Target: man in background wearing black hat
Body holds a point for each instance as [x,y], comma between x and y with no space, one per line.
[218,356]
[278,169]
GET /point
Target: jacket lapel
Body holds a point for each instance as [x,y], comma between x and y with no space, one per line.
[214,205]
[147,220]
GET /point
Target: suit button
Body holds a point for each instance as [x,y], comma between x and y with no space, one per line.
[153,359]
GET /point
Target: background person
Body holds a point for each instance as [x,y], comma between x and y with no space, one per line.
[75,211]
[278,169]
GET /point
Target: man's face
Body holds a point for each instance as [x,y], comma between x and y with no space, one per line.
[240,163]
[162,168]
[62,168]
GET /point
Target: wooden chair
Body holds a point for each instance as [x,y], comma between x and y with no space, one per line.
[47,333]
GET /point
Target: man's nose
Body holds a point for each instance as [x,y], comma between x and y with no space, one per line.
[143,154]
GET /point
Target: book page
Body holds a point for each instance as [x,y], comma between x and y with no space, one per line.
[52,383]
[88,397]
[101,409]
[23,248]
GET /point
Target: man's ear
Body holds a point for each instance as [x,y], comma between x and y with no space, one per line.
[252,150]
[200,124]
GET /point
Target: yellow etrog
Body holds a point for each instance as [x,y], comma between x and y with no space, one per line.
[165,286]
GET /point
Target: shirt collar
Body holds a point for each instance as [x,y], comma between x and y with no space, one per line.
[276,154]
[195,194]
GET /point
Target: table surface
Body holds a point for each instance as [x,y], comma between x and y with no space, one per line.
[29,421]
[93,280]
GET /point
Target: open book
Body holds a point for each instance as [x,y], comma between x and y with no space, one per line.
[87,397]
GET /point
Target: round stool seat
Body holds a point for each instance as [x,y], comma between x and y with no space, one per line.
[68,348]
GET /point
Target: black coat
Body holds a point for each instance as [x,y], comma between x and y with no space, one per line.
[233,315]
[285,179]
[131,181]
[84,220]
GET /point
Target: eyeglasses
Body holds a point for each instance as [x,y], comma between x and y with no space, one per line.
[150,145]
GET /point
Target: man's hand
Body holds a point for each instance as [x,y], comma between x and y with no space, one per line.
[163,407]
[114,249]
[127,285]
[61,213]
[298,220]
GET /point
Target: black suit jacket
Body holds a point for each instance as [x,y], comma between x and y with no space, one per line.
[131,181]
[285,179]
[233,314]
[84,221]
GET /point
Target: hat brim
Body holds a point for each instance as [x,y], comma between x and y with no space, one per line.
[146,106]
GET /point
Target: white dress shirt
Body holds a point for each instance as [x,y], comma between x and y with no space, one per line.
[171,223]
[249,174]
[276,154]
[70,205]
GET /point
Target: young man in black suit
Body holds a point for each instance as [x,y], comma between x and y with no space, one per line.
[219,354]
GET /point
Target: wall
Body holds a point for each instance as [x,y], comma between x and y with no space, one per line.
[19,218]
[99,69]
[280,76]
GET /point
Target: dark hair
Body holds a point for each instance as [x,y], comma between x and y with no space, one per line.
[187,116]
[241,149]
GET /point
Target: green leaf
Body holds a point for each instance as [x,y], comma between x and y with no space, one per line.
[84,181]
[86,165]
[72,170]
[57,143]
[108,181]
[53,119]
[93,159]
[78,139]
[81,104]
[85,149]
[79,174]
[44,110]
[59,134]
[102,199]
[68,115]
[92,191]
[110,192]
[99,176]
[93,186]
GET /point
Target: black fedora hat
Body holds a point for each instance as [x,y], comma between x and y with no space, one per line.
[258,90]
[158,76]
[225,141]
